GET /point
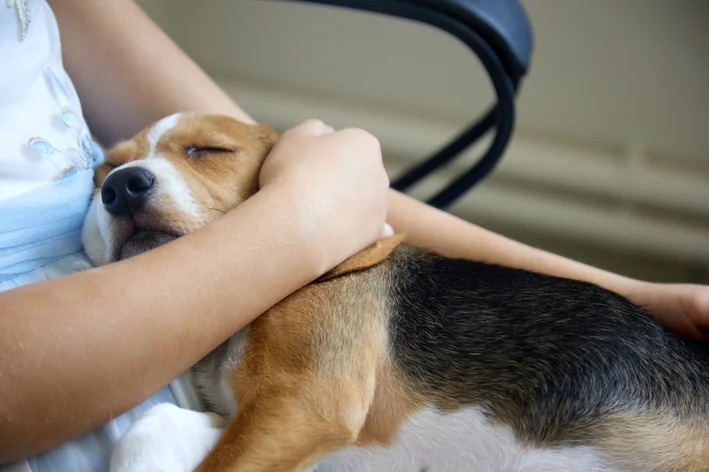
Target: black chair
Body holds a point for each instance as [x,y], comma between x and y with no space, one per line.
[499,33]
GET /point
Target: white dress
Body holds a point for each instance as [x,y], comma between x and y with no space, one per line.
[47,159]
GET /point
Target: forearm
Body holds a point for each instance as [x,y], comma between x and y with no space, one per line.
[448,235]
[142,75]
[79,350]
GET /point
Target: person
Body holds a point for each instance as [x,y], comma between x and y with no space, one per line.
[82,348]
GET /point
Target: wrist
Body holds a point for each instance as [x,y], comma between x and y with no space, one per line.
[635,290]
[303,223]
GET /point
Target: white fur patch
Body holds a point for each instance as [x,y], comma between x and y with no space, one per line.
[94,244]
[158,130]
[167,439]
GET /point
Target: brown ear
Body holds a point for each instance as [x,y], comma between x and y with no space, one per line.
[266,135]
[367,258]
[119,154]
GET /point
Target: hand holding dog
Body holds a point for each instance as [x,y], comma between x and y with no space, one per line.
[684,308]
[338,178]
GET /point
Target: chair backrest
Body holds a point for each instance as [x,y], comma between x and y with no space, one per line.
[499,33]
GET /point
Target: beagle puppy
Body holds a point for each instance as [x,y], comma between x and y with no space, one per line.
[398,359]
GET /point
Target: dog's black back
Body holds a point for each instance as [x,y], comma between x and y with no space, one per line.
[548,356]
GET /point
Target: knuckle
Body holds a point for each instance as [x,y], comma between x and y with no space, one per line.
[372,141]
[362,134]
[313,124]
[366,139]
[307,126]
[313,121]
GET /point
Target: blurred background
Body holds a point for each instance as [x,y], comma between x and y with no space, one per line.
[609,163]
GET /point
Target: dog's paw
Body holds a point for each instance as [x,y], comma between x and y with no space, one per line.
[167,439]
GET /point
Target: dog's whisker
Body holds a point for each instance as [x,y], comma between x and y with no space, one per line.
[217,209]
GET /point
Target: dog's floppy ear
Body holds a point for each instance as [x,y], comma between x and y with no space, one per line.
[119,154]
[266,135]
[367,258]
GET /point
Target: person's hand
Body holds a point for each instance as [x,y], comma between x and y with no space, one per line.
[338,178]
[683,308]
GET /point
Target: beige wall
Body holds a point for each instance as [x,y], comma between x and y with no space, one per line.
[610,161]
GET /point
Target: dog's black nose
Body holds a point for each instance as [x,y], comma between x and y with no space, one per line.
[126,190]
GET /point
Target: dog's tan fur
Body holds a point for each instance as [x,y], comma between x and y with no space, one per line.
[296,372]
[367,258]
[664,443]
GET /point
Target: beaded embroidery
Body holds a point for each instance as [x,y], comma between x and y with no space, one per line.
[75,160]
[24,16]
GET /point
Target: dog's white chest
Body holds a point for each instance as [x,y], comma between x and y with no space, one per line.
[457,442]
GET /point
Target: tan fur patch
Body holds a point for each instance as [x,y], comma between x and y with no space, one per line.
[369,257]
[312,379]
[120,154]
[654,442]
[394,403]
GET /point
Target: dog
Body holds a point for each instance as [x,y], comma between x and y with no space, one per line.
[399,359]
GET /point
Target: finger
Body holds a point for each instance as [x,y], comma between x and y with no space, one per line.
[700,303]
[696,306]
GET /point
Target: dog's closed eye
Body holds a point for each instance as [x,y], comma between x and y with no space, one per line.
[195,152]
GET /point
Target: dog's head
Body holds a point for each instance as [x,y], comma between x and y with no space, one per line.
[172,178]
